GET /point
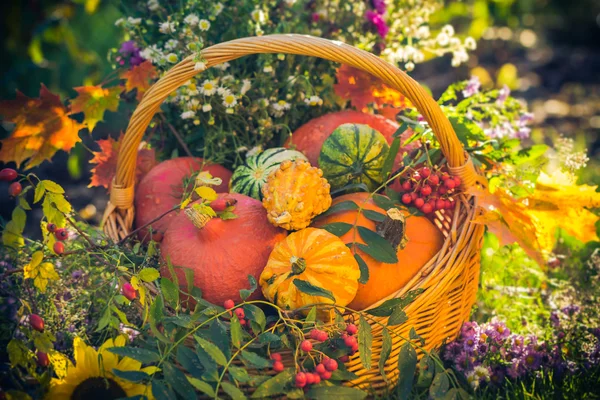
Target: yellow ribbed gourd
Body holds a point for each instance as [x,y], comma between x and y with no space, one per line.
[314,258]
[295,194]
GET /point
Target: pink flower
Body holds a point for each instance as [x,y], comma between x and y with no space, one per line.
[377,20]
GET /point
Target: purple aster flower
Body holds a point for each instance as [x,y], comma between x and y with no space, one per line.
[523,132]
[453,350]
[554,319]
[127,47]
[472,87]
[595,332]
[378,21]
[77,274]
[570,310]
[136,60]
[463,363]
[482,349]
[497,376]
[470,344]
[469,330]
[515,370]
[525,118]
[498,331]
[532,359]
[503,94]
[379,6]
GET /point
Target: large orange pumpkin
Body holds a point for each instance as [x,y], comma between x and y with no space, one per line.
[309,138]
[424,241]
[223,252]
[162,188]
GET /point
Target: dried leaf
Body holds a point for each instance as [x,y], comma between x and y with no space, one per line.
[93,101]
[106,160]
[139,77]
[42,127]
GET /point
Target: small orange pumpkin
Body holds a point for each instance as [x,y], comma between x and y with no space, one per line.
[424,240]
[314,257]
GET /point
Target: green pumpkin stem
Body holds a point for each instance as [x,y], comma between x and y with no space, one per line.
[298,265]
[393,228]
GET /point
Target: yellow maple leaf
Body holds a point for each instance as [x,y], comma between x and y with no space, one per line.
[42,127]
[40,272]
[206,193]
[93,101]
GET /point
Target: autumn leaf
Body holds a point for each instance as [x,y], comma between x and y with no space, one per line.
[532,221]
[362,89]
[139,77]
[42,127]
[93,101]
[40,272]
[106,160]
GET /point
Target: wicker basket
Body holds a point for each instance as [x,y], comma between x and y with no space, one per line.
[450,279]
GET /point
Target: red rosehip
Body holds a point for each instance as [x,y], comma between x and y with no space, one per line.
[306,346]
[425,172]
[278,366]
[8,175]
[434,179]
[457,181]
[128,291]
[350,341]
[344,359]
[426,190]
[451,204]
[240,313]
[300,379]
[36,322]
[310,378]
[314,334]
[157,237]
[320,368]
[445,176]
[419,202]
[414,196]
[223,203]
[351,329]
[15,189]
[354,348]
[59,248]
[61,234]
[243,322]
[51,227]
[276,357]
[317,378]
[331,364]
[406,198]
[417,177]
[229,304]
[325,375]
[442,190]
[427,208]
[450,183]
[440,204]
[323,336]
[406,186]
[42,359]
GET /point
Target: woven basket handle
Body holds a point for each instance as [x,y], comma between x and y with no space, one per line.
[118,217]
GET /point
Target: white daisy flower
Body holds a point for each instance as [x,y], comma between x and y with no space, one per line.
[222,66]
[219,7]
[246,85]
[134,21]
[172,58]
[153,5]
[193,104]
[204,25]
[167,27]
[191,19]
[258,16]
[199,66]
[206,107]
[208,88]
[314,101]
[120,22]
[188,115]
[223,91]
[152,53]
[229,100]
[470,43]
[171,44]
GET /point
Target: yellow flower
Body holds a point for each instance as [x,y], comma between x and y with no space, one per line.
[92,375]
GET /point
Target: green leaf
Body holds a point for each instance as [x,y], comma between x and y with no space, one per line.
[374,215]
[131,376]
[309,288]
[457,394]
[365,342]
[142,355]
[377,247]
[162,391]
[388,306]
[383,202]
[398,317]
[253,313]
[340,392]
[364,269]
[440,385]
[20,218]
[255,360]
[337,228]
[386,350]
[213,351]
[233,391]
[189,278]
[389,160]
[407,365]
[52,187]
[149,274]
[23,203]
[202,386]
[403,127]
[189,360]
[170,291]
[268,337]
[296,393]
[341,374]
[413,335]
[236,331]
[104,319]
[274,386]
[350,188]
[156,314]
[426,371]
[312,315]
[341,206]
[239,374]
[39,192]
[245,293]
[178,381]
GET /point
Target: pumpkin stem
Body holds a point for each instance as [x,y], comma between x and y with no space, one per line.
[198,218]
[393,228]
[298,265]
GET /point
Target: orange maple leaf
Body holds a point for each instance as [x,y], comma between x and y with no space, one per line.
[139,78]
[42,127]
[93,101]
[106,160]
[362,89]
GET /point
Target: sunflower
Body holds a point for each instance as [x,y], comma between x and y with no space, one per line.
[92,375]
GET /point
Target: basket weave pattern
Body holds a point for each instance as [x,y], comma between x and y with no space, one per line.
[450,278]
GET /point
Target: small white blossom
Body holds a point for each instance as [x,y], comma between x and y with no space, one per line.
[442,39]
[171,44]
[208,88]
[206,107]
[246,85]
[410,66]
[470,43]
[204,24]
[191,19]
[229,100]
[219,7]
[258,16]
[448,30]
[227,78]
[188,115]
[289,3]
[199,66]
[167,27]
[278,109]
[120,22]
[268,69]
[263,102]
[134,21]
[172,58]
[193,104]
[314,101]
[223,91]
[153,5]
[222,66]
[152,53]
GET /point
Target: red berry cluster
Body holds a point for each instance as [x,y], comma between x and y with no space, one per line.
[9,175]
[61,234]
[429,190]
[239,312]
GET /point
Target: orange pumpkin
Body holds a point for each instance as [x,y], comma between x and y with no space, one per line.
[314,257]
[424,241]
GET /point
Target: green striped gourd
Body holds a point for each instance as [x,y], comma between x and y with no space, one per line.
[249,178]
[352,154]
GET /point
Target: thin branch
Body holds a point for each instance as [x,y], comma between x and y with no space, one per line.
[177,136]
[120,242]
[10,272]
